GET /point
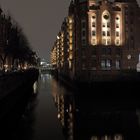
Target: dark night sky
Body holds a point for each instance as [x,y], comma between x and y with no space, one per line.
[40,20]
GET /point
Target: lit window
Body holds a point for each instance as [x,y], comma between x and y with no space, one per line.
[108,63]
[93,24]
[104,41]
[70,33]
[93,33]
[70,20]
[117,64]
[94,41]
[93,30]
[108,42]
[70,65]
[117,34]
[103,24]
[70,46]
[117,30]
[93,17]
[102,64]
[117,25]
[108,33]
[117,42]
[104,33]
[70,26]
[117,18]
[70,40]
[108,24]
[70,57]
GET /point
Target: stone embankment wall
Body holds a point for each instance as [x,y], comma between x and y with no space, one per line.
[14,89]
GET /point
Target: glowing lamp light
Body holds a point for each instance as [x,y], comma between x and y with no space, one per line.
[58,116]
[58,37]
[70,20]
[25,67]
[6,66]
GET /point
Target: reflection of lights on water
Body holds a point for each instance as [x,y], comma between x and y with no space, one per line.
[77,110]
[48,76]
[71,137]
[70,108]
[35,88]
[138,115]
[45,77]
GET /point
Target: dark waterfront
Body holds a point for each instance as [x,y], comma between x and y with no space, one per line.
[54,112]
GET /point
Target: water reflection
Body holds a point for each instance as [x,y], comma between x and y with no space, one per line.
[18,124]
[82,121]
[35,87]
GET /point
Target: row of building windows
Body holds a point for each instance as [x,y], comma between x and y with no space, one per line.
[106,29]
[104,25]
[93,30]
[104,51]
[105,64]
[103,33]
[83,32]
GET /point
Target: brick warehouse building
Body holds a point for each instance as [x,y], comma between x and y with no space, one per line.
[98,39]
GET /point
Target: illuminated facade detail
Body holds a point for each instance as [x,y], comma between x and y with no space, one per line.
[54,56]
[70,44]
[106,28]
[93,30]
[117,31]
[62,49]
[98,39]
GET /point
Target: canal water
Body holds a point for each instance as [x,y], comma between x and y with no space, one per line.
[56,112]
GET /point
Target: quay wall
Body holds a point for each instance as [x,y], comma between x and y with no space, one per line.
[14,89]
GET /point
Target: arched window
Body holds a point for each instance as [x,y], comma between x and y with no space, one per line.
[117,31]
[106,28]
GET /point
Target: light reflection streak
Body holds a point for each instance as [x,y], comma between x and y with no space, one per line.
[35,87]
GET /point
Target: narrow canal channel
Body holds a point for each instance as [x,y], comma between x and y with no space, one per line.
[39,120]
[54,113]
[46,124]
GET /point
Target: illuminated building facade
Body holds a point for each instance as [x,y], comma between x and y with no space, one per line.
[99,39]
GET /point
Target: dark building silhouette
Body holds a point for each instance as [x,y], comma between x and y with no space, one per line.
[98,39]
